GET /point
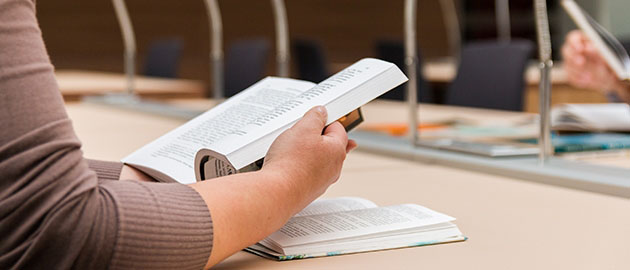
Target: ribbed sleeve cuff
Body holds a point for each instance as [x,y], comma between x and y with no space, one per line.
[106,170]
[160,226]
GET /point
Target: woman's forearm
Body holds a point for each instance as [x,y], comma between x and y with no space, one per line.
[245,208]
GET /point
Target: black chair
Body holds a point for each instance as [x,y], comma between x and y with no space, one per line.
[394,51]
[310,60]
[163,58]
[245,64]
[491,75]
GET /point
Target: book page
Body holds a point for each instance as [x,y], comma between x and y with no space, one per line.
[332,205]
[332,226]
[346,82]
[173,154]
[597,117]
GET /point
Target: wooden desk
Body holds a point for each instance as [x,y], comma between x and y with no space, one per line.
[511,224]
[75,84]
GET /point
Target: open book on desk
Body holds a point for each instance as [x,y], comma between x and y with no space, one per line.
[591,117]
[236,135]
[606,44]
[329,227]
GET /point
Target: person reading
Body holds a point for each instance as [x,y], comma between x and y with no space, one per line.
[59,210]
[586,68]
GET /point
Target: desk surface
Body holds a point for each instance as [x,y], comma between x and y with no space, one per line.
[75,84]
[511,224]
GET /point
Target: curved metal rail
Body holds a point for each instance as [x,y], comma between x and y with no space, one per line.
[282,38]
[216,48]
[129,41]
[544,93]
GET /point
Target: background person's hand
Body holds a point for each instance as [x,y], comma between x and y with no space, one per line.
[306,159]
[586,68]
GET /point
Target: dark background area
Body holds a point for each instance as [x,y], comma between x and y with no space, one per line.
[86,35]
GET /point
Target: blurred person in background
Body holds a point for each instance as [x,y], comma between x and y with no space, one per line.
[587,69]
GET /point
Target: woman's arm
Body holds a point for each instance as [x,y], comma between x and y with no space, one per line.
[54,211]
[107,170]
[56,214]
[299,167]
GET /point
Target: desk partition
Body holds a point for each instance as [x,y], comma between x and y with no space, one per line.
[216,43]
[544,169]
[544,45]
[130,100]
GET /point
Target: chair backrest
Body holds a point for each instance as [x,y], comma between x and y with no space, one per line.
[491,75]
[394,51]
[310,60]
[245,64]
[163,58]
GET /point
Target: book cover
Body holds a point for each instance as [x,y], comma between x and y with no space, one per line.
[587,142]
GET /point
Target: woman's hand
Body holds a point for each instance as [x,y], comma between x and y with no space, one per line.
[586,68]
[300,165]
[306,159]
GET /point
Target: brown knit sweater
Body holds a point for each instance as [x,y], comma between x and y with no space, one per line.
[60,211]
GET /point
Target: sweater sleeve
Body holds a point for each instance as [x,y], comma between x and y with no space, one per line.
[54,211]
[105,170]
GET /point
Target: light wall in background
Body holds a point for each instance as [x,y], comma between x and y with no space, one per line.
[614,15]
[619,17]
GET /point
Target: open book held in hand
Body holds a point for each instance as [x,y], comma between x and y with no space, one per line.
[606,44]
[329,227]
[591,117]
[235,135]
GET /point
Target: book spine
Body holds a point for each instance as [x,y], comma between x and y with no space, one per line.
[210,164]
